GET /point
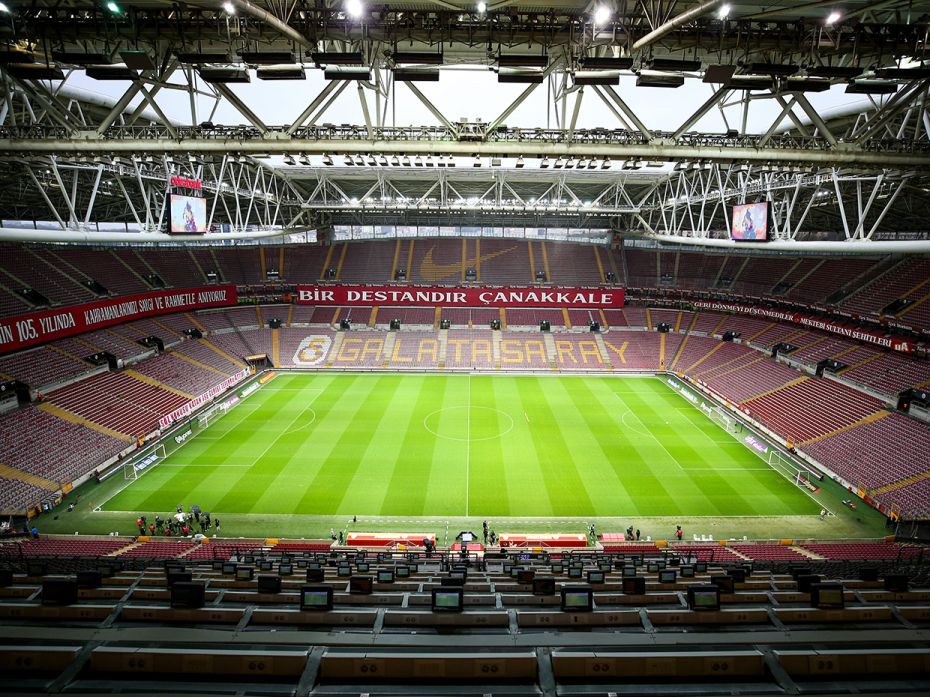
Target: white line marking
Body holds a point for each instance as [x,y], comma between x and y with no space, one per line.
[203,465]
[468,442]
[467,439]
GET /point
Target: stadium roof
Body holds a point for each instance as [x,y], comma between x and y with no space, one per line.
[651,118]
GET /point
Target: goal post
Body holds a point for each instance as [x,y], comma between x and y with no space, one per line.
[137,466]
[789,469]
[724,420]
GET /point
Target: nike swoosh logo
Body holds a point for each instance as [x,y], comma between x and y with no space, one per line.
[433,271]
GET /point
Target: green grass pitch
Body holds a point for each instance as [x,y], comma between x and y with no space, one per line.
[465,445]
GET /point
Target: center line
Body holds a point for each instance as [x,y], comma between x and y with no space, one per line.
[467,443]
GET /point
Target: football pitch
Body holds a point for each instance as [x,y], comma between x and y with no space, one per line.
[490,446]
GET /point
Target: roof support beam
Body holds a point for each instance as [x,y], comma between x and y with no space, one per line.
[630,114]
[241,107]
[506,148]
[711,102]
[429,105]
[324,93]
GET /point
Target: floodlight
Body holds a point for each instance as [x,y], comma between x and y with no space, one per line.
[833,17]
[327,160]
[354,8]
[724,11]
[113,7]
[601,14]
[482,7]
[229,8]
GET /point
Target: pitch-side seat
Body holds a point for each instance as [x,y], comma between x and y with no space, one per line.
[455,620]
[371,667]
[694,665]
[194,663]
[68,613]
[835,664]
[36,660]
[333,618]
[851,615]
[168,615]
[716,617]
[616,618]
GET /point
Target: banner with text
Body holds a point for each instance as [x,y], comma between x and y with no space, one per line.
[429,296]
[192,405]
[813,322]
[28,330]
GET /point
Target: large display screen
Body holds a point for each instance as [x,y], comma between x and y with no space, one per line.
[750,222]
[188,215]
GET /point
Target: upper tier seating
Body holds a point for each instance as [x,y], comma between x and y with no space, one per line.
[24,268]
[908,279]
[43,366]
[368,263]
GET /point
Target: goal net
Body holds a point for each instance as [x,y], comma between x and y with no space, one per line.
[208,417]
[139,465]
[724,420]
[790,470]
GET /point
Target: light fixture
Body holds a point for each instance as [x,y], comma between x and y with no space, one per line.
[354,8]
[289,160]
[582,163]
[477,162]
[406,160]
[382,160]
[519,162]
[348,160]
[327,160]
[601,14]
[305,161]
[544,163]
[359,160]
[418,161]
[833,17]
[724,11]
[395,161]
[371,160]
[482,7]
[113,7]
[4,8]
[229,8]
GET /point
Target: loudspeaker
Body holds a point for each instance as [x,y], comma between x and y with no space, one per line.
[395,324]
[544,325]
[541,277]
[496,324]
[274,323]
[594,326]
[346,324]
[445,324]
[663,327]
[729,336]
